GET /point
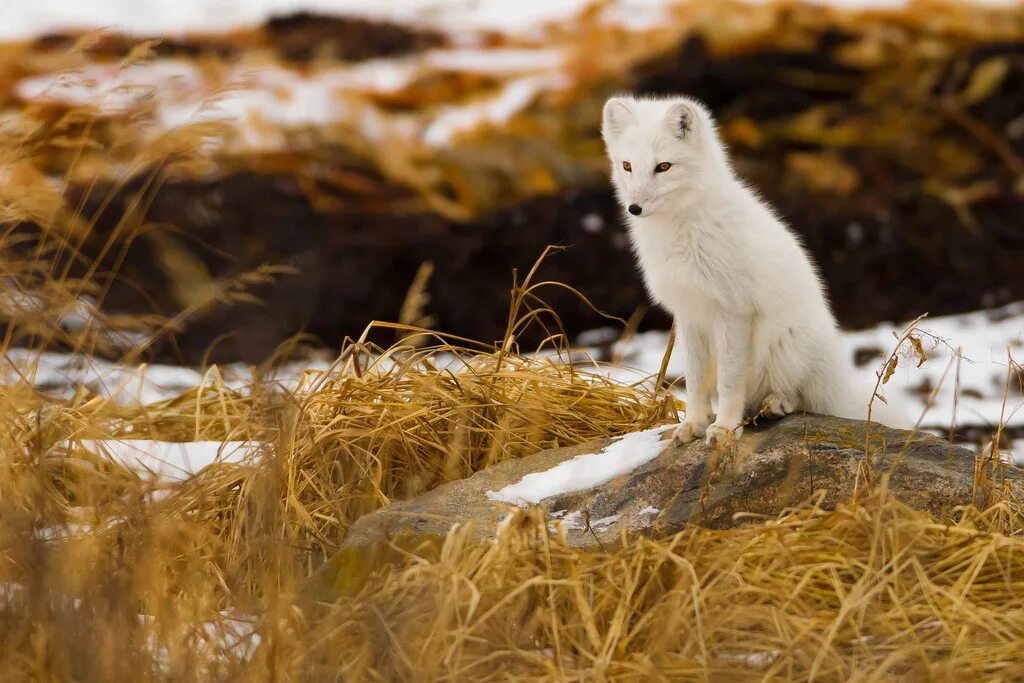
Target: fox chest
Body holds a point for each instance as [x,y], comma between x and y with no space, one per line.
[678,288]
[676,280]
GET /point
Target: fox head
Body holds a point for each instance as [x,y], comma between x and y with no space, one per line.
[661,150]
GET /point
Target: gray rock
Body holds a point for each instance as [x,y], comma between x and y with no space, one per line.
[773,467]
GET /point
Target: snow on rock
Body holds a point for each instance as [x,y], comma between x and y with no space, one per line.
[169,461]
[974,387]
[575,521]
[585,471]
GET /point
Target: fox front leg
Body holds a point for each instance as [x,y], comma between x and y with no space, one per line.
[700,381]
[732,340]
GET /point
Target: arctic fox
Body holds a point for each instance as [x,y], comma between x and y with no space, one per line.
[749,306]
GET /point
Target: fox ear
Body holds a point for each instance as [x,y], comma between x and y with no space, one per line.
[681,118]
[616,116]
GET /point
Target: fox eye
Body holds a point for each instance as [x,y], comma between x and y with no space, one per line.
[662,167]
[626,165]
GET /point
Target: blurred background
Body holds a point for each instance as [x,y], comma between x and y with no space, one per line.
[273,176]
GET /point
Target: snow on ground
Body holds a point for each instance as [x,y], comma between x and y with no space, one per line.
[233,633]
[62,374]
[249,96]
[973,390]
[514,97]
[21,19]
[1013,454]
[983,339]
[169,461]
[759,659]
[585,471]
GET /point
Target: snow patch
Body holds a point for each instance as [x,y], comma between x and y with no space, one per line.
[22,19]
[498,61]
[251,96]
[984,337]
[1014,455]
[514,97]
[62,374]
[603,522]
[585,471]
[169,461]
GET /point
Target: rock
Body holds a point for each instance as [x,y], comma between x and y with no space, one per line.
[774,466]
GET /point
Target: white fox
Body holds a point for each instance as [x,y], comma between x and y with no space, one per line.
[749,306]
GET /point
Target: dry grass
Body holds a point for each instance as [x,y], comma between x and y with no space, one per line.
[874,590]
[106,575]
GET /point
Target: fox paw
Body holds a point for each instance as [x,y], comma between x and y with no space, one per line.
[778,406]
[722,436]
[689,431]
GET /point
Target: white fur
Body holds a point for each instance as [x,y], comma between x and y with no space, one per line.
[750,309]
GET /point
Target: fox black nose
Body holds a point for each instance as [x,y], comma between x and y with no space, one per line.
[635,209]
